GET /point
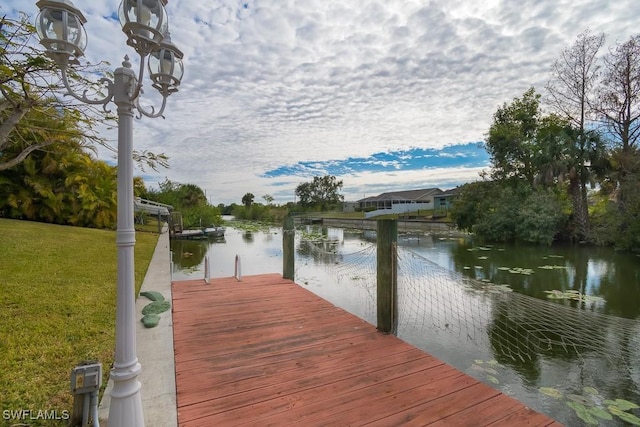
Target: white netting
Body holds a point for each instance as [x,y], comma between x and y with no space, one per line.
[352,270]
[513,325]
[516,326]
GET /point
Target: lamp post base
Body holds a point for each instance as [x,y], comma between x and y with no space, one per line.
[125,409]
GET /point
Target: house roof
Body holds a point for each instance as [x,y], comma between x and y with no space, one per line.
[451,192]
[410,195]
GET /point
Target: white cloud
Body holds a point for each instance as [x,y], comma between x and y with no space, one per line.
[271,83]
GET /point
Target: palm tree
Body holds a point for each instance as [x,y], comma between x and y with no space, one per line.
[571,156]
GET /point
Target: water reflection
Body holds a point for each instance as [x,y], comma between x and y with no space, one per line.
[188,254]
[247,236]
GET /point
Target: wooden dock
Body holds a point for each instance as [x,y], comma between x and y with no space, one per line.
[267,352]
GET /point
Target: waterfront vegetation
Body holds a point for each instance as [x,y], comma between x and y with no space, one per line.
[58,299]
[573,173]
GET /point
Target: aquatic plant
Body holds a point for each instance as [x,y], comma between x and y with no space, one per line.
[591,407]
[489,370]
[573,295]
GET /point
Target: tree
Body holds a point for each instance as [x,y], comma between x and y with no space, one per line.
[562,160]
[512,138]
[542,151]
[474,200]
[31,95]
[247,200]
[497,212]
[189,200]
[30,88]
[268,198]
[571,89]
[180,196]
[63,187]
[619,108]
[322,192]
[619,94]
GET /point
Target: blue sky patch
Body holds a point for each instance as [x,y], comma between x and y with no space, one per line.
[472,154]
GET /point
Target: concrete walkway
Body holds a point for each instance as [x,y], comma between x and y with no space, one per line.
[155,349]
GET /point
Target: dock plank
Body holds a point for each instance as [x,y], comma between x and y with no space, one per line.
[265,351]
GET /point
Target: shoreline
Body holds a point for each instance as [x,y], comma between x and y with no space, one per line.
[371,224]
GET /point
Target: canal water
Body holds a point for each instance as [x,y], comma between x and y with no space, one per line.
[557,328]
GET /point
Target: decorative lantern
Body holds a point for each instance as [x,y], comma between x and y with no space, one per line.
[165,67]
[60,28]
[144,22]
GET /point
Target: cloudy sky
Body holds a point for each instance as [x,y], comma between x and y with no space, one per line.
[385,94]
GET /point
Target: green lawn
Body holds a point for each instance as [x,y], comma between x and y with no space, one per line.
[57,308]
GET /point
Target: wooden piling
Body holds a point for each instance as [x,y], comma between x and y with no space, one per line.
[288,248]
[387,237]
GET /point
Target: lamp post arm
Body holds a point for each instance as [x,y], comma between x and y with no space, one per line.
[84,98]
[152,114]
[138,89]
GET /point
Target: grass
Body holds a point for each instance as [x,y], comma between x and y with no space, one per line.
[58,302]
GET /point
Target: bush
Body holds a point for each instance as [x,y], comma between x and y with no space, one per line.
[509,213]
[259,212]
[200,216]
[540,218]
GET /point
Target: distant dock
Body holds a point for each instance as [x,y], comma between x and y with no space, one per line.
[265,351]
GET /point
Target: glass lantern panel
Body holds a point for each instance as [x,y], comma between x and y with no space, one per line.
[178,69]
[76,33]
[156,13]
[149,13]
[161,62]
[51,25]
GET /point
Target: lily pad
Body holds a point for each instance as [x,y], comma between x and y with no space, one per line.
[583,413]
[576,406]
[623,405]
[590,390]
[493,379]
[580,399]
[573,295]
[588,418]
[600,413]
[551,392]
[552,267]
[520,270]
[624,416]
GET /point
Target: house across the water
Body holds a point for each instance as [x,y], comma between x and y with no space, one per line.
[399,202]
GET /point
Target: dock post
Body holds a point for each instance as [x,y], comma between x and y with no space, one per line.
[207,270]
[238,270]
[387,237]
[288,248]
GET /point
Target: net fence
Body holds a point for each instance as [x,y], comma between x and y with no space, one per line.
[516,327]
